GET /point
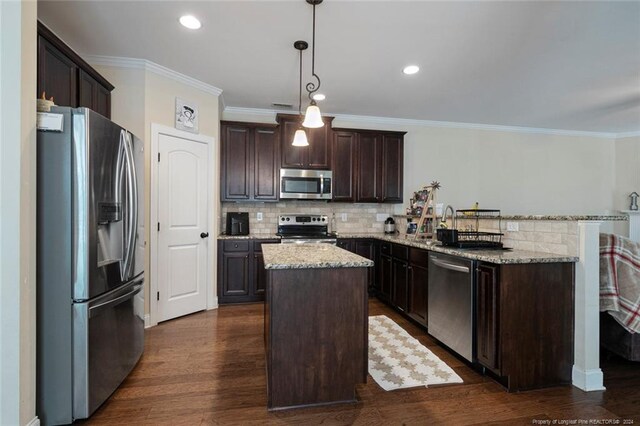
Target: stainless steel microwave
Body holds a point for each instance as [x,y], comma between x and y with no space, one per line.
[305,184]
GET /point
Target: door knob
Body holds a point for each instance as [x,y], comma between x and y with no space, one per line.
[204,234]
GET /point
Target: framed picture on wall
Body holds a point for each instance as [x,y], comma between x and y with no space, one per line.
[186,116]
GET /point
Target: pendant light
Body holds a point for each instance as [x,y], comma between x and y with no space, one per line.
[312,117]
[300,137]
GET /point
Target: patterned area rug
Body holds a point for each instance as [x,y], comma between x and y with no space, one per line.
[397,360]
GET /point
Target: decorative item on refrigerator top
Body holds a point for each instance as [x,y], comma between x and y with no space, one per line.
[389,226]
[238,223]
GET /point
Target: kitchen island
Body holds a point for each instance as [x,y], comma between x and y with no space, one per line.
[316,324]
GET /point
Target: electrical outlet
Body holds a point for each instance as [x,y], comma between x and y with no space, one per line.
[344,217]
[381,217]
[512,226]
[259,216]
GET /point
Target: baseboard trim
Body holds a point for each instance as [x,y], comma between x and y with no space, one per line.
[147,321]
[589,381]
[34,422]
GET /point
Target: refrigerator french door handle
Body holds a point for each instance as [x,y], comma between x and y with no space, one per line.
[132,210]
[121,180]
[93,310]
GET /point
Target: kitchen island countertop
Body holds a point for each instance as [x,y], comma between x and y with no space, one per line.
[500,257]
[310,256]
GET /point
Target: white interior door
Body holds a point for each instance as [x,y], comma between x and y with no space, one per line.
[182,217]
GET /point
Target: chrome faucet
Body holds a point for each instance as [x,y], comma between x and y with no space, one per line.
[453,216]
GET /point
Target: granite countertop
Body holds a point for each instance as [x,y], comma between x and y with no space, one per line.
[310,256]
[610,218]
[501,257]
[492,256]
[249,237]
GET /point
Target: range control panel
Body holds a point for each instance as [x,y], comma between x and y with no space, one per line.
[297,219]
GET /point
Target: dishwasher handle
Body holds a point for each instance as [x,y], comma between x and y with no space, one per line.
[450,266]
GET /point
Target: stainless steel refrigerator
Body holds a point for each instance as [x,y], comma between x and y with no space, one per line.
[90,257]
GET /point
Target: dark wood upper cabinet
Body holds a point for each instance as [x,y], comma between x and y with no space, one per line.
[249,162]
[392,168]
[292,156]
[266,159]
[69,79]
[236,162]
[93,95]
[369,170]
[378,167]
[344,161]
[57,74]
[315,156]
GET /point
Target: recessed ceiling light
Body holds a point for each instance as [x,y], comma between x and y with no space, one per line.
[190,22]
[319,97]
[411,69]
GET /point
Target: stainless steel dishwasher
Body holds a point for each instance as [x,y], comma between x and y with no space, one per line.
[450,302]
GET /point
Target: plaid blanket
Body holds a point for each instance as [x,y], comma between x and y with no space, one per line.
[620,280]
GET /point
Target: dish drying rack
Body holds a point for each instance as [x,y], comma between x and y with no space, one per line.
[471,236]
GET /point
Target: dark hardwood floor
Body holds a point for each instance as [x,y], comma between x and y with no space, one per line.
[209,368]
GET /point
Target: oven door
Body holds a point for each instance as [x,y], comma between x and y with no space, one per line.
[305,184]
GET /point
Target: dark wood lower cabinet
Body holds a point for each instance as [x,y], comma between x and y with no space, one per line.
[524,323]
[399,284]
[241,274]
[487,317]
[418,285]
[384,277]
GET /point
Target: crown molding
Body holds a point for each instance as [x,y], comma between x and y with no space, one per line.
[389,121]
[119,62]
[627,135]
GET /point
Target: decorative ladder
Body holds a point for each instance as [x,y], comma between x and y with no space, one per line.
[428,214]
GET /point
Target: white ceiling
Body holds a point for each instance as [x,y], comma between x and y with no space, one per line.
[554,65]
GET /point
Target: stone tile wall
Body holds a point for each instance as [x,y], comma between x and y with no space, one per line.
[361,218]
[546,236]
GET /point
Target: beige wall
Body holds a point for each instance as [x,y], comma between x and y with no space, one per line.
[141,98]
[519,173]
[627,172]
[18,202]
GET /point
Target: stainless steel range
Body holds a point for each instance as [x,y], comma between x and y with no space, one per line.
[305,228]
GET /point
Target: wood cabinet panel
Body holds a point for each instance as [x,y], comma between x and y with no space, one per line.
[367,248]
[92,95]
[385,274]
[488,317]
[249,162]
[236,277]
[392,168]
[241,274]
[315,156]
[525,323]
[319,156]
[266,159]
[418,286]
[369,172]
[344,152]
[57,74]
[69,79]
[292,156]
[236,159]
[399,284]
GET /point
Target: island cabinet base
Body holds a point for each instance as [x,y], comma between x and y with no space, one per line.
[316,331]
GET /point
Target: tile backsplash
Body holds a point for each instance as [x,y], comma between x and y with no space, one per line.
[361,218]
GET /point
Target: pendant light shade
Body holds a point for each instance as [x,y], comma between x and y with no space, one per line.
[312,118]
[300,138]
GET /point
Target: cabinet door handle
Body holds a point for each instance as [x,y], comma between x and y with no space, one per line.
[236,245]
[204,234]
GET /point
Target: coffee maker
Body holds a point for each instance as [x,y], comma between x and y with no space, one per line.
[238,223]
[389,226]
